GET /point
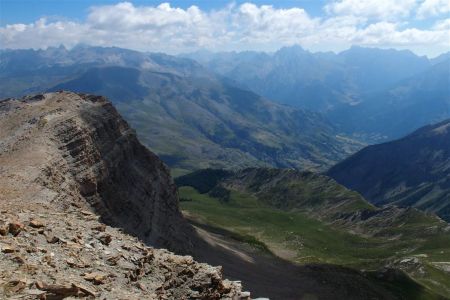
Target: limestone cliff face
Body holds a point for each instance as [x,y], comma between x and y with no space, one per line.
[126,183]
[98,161]
[64,153]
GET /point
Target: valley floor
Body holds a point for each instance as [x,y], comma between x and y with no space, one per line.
[270,276]
[236,238]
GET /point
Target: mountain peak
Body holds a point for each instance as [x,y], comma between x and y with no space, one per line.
[356,49]
[294,50]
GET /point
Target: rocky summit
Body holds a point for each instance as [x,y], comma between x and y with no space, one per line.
[81,202]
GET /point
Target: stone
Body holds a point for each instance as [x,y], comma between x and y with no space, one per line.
[105,239]
[244,295]
[43,250]
[19,259]
[96,277]
[112,261]
[51,239]
[16,285]
[140,286]
[15,228]
[31,249]
[60,291]
[35,292]
[39,284]
[4,229]
[35,223]
[85,290]
[8,249]
[100,228]
[86,213]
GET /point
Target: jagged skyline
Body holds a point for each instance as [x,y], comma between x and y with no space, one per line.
[183,26]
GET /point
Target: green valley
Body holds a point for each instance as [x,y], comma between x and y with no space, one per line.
[348,231]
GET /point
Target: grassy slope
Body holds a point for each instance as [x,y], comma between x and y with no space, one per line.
[299,238]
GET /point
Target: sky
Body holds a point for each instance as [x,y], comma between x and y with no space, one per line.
[422,26]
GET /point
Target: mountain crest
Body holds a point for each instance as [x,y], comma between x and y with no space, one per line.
[69,164]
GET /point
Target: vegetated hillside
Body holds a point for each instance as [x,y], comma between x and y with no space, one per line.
[190,117]
[412,171]
[194,124]
[305,217]
[366,91]
[69,163]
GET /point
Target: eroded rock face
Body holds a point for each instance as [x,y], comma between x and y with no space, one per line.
[93,158]
[64,155]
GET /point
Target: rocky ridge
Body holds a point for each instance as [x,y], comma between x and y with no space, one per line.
[68,165]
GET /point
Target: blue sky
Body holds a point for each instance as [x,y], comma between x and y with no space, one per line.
[422,26]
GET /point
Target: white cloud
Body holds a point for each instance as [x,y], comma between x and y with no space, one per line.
[372,9]
[126,16]
[41,34]
[235,27]
[388,34]
[265,24]
[433,8]
[443,25]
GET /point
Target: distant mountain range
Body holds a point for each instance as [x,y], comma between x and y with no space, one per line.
[209,114]
[412,171]
[189,116]
[403,107]
[375,94]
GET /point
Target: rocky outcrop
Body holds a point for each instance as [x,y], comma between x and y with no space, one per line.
[71,254]
[67,160]
[92,158]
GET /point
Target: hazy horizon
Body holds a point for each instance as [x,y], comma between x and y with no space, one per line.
[212,51]
[175,27]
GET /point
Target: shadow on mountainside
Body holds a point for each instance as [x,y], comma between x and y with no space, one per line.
[266,275]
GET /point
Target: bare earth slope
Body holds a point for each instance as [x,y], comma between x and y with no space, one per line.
[69,162]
